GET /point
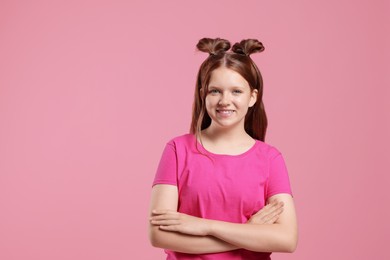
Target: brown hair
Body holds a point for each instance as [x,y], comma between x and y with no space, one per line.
[238,60]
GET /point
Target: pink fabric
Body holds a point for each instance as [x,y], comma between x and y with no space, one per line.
[232,188]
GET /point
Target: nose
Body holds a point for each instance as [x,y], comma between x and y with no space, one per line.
[224,100]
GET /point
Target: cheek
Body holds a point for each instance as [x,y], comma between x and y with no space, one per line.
[208,106]
[242,102]
[209,102]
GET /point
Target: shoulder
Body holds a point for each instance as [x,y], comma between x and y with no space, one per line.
[268,150]
[183,140]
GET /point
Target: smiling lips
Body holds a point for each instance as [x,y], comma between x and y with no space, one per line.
[225,112]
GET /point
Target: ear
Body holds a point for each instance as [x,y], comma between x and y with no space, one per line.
[253,97]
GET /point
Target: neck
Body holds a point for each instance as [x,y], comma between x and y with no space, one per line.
[231,134]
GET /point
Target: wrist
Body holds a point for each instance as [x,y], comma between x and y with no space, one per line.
[211,227]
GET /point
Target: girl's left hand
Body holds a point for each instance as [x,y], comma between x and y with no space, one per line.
[170,220]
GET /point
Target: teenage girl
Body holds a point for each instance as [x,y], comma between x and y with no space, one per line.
[220,191]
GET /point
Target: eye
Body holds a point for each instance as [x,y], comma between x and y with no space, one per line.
[237,91]
[213,91]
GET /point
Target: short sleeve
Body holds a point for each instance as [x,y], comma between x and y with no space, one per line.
[167,168]
[278,179]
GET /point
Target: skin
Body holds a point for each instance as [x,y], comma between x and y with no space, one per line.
[228,90]
[272,229]
[165,196]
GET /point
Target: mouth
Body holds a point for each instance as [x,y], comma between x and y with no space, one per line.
[225,112]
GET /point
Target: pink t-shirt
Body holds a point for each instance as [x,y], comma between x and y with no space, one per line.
[230,188]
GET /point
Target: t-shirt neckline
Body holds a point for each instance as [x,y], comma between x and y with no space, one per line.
[226,155]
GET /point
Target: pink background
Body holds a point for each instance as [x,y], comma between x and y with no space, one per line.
[90,92]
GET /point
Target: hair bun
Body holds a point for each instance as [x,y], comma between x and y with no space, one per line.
[213,46]
[247,47]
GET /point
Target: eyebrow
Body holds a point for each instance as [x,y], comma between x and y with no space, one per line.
[232,87]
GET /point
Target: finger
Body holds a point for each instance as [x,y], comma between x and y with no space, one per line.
[271,218]
[270,205]
[172,215]
[277,205]
[165,222]
[274,208]
[274,212]
[266,208]
[265,211]
[269,208]
[169,228]
[162,211]
[274,202]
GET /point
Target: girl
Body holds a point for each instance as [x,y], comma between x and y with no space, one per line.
[212,185]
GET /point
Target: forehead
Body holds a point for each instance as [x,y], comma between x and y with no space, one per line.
[224,77]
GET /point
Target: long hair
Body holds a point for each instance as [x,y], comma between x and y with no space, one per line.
[238,60]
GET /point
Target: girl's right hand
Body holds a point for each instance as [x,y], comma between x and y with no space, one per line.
[268,214]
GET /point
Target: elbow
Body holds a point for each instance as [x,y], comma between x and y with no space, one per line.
[291,245]
[154,237]
[285,242]
[153,241]
[290,241]
[285,247]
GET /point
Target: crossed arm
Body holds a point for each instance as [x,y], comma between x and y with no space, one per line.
[180,232]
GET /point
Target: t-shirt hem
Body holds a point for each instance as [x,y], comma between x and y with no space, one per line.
[164,182]
[279,192]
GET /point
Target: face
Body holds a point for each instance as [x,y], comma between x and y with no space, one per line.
[229,97]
